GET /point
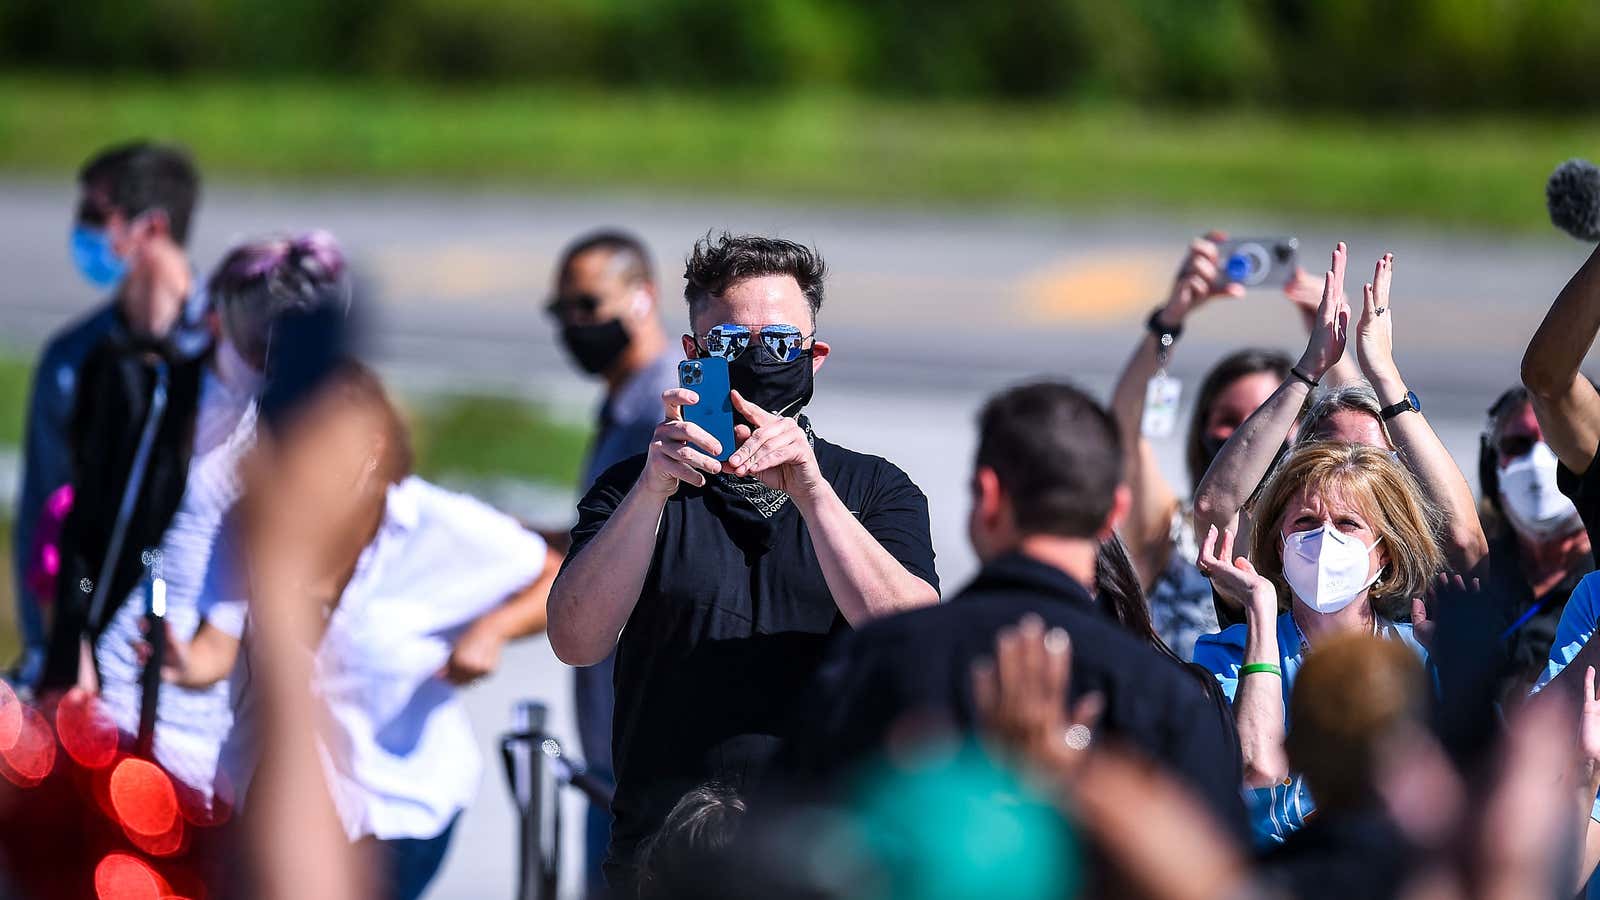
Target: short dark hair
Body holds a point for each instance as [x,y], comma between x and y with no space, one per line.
[1057,455]
[719,262]
[625,249]
[140,176]
[1234,366]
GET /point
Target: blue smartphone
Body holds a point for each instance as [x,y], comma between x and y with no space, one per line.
[708,377]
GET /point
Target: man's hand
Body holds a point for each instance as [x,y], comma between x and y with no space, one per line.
[1236,579]
[1021,698]
[1375,330]
[1197,280]
[1331,329]
[678,449]
[777,451]
[476,654]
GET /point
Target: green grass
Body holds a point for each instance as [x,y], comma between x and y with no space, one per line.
[1458,171]
[478,436]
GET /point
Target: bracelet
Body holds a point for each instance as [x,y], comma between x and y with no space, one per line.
[1250,668]
[1166,335]
[1295,371]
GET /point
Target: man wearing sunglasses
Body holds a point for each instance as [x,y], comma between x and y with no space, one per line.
[127,241]
[605,306]
[725,580]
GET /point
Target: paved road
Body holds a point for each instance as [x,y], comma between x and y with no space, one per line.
[927,312]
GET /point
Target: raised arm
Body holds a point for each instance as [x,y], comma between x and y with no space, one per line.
[1304,292]
[1420,448]
[865,579]
[1247,457]
[1258,700]
[594,595]
[1147,529]
[1565,402]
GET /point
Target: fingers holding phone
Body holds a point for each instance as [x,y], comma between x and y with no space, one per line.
[681,450]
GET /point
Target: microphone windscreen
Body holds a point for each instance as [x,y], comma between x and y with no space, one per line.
[1573,197]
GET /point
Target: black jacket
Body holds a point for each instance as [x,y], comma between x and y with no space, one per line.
[919,663]
[113,400]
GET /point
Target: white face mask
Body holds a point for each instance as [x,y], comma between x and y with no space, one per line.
[1326,568]
[1528,493]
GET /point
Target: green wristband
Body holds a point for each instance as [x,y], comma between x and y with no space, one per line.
[1260,667]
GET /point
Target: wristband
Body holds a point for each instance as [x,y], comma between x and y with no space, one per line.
[1250,668]
[1296,373]
[1166,335]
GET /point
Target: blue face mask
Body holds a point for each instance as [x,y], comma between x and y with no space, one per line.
[96,261]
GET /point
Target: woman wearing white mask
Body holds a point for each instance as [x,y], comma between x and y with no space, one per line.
[1538,545]
[1351,540]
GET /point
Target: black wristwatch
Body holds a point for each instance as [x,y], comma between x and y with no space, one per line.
[1408,403]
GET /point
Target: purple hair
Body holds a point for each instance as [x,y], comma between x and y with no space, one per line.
[259,280]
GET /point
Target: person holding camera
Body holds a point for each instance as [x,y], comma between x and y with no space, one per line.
[725,577]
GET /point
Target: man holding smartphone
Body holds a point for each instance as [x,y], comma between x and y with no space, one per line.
[605,306]
[726,580]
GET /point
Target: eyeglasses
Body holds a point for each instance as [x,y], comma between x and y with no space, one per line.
[575,306]
[1512,446]
[784,342]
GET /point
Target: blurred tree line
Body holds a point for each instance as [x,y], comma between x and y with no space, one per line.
[1404,54]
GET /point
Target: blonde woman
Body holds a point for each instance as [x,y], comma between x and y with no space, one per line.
[1344,540]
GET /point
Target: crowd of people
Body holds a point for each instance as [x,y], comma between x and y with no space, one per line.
[1327,672]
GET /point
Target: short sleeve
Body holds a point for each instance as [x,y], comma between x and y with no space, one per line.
[1574,630]
[601,500]
[1221,656]
[222,602]
[897,518]
[1584,492]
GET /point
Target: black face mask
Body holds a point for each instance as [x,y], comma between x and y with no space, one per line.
[595,347]
[771,383]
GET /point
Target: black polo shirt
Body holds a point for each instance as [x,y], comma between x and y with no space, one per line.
[729,629]
[918,664]
[1584,492]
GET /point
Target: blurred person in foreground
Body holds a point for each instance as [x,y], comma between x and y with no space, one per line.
[1380,412]
[1401,820]
[188,493]
[132,223]
[1047,491]
[1345,540]
[725,580]
[1159,529]
[606,304]
[419,589]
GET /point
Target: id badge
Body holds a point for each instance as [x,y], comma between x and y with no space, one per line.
[1161,395]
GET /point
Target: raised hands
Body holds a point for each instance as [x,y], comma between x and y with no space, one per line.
[1330,329]
[1234,577]
[1375,331]
[1021,699]
[1198,279]
[777,451]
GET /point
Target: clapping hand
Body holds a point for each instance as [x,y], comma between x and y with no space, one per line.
[1021,699]
[1329,331]
[1235,578]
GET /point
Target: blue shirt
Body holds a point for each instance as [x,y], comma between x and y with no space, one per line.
[1277,811]
[628,419]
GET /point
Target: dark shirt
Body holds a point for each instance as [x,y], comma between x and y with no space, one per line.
[1527,623]
[1339,855]
[919,663]
[728,631]
[1584,492]
[47,459]
[628,419]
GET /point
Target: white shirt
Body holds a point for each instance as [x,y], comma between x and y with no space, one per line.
[399,750]
[190,724]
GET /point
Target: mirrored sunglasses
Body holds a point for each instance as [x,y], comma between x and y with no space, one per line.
[784,342]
